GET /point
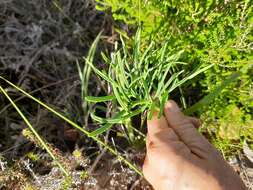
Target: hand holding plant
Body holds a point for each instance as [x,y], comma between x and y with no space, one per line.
[178,157]
[141,78]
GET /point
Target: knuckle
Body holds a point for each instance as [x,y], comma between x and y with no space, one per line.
[186,128]
[184,123]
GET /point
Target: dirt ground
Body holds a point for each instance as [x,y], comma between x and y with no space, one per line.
[40,42]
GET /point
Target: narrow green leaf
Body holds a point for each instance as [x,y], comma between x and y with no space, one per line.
[163,100]
[134,113]
[174,57]
[101,130]
[191,76]
[145,54]
[105,58]
[167,84]
[101,74]
[140,102]
[85,75]
[119,119]
[199,71]
[161,83]
[99,99]
[122,73]
[213,94]
[107,126]
[134,81]
[151,110]
[119,98]
[151,83]
[114,120]
[136,52]
[163,52]
[79,71]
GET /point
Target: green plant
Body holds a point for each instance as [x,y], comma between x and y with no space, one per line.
[134,12]
[142,79]
[209,32]
[159,17]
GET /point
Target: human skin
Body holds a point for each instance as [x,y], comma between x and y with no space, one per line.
[180,158]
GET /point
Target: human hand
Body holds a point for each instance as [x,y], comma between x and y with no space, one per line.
[180,158]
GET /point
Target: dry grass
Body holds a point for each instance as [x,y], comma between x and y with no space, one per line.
[39,46]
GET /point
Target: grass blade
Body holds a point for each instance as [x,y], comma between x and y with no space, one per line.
[101,74]
[101,130]
[167,84]
[94,99]
[114,120]
[114,152]
[44,145]
[212,95]
[120,119]
[191,76]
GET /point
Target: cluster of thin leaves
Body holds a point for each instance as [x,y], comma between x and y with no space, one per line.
[141,80]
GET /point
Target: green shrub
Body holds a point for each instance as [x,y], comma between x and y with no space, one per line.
[209,32]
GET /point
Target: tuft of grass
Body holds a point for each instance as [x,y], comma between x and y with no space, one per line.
[85,73]
[141,78]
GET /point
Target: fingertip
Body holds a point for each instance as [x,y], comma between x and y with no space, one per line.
[154,116]
[156,124]
[153,121]
[172,111]
[171,106]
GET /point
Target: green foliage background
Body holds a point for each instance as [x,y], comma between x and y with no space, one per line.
[209,32]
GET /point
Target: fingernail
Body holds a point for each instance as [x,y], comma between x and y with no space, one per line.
[172,106]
